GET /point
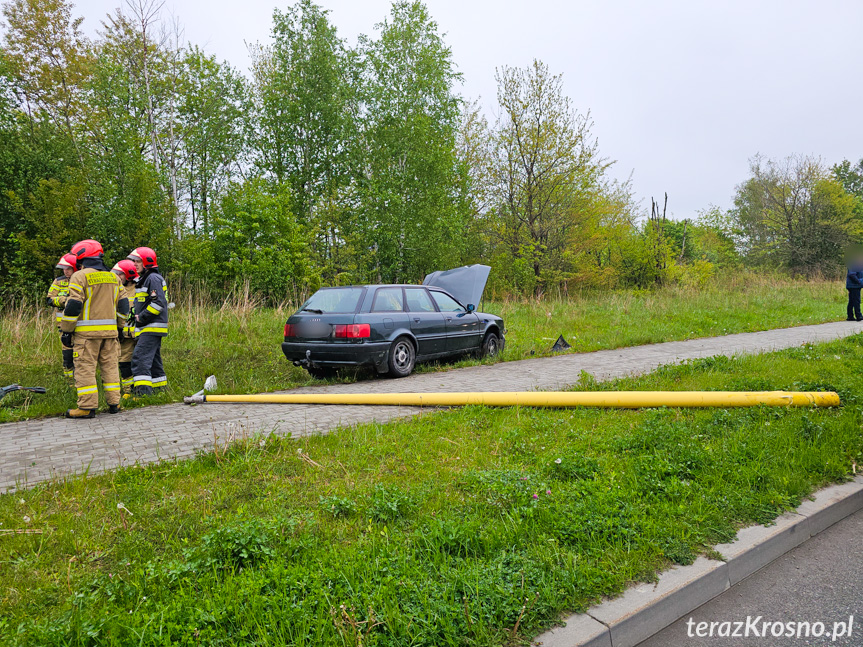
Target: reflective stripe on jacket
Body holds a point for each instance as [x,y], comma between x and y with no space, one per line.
[93,304]
[58,292]
[151,305]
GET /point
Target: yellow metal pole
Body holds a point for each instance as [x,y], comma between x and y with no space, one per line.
[609,399]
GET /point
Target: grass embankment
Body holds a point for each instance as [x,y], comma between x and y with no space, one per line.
[466,527]
[239,342]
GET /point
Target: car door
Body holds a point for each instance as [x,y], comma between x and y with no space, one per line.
[462,327]
[427,324]
[387,312]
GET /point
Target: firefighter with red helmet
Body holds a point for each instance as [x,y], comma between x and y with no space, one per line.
[95,308]
[128,275]
[151,323]
[56,298]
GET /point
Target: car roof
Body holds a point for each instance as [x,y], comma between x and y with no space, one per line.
[374,286]
[384,285]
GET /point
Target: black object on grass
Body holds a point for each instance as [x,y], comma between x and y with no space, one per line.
[560,345]
[5,390]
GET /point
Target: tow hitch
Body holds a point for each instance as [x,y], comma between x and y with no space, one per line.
[306,363]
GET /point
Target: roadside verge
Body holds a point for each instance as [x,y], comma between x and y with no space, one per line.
[645,609]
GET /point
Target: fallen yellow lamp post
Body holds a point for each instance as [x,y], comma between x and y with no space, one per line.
[552,399]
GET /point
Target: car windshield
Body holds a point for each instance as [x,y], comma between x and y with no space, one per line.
[334,300]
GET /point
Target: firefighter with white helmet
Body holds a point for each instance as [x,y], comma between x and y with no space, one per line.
[151,322]
[95,308]
[56,298]
[128,275]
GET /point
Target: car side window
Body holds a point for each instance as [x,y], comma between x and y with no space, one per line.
[446,303]
[388,300]
[418,300]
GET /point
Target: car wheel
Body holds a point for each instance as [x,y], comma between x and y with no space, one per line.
[490,345]
[322,373]
[402,357]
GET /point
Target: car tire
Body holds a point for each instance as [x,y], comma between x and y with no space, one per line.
[490,345]
[322,373]
[402,358]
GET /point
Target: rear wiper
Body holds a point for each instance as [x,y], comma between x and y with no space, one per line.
[315,310]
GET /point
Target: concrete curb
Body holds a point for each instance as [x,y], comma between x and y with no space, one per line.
[646,609]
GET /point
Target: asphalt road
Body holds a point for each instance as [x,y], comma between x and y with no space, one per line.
[819,581]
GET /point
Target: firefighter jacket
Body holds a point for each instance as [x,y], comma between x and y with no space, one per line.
[95,307]
[151,304]
[128,329]
[57,294]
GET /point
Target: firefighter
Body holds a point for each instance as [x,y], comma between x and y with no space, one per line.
[56,298]
[151,323]
[95,308]
[127,274]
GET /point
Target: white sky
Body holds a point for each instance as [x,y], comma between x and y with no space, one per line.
[682,92]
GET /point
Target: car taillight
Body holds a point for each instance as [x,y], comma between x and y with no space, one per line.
[289,330]
[352,331]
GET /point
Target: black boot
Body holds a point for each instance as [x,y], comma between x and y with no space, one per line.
[143,390]
[113,408]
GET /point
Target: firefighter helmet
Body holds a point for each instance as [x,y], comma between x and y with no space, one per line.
[144,254]
[87,249]
[127,269]
[67,260]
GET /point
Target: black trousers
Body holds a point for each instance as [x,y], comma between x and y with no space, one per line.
[854,304]
[147,371]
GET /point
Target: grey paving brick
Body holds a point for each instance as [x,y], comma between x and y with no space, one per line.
[60,447]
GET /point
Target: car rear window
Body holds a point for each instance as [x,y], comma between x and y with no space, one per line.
[335,300]
[388,300]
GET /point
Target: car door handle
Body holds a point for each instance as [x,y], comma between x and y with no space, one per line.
[449,318]
[417,319]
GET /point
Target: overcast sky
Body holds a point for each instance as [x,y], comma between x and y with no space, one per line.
[682,92]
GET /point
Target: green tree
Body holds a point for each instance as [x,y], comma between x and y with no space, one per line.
[795,215]
[410,213]
[550,197]
[258,240]
[131,201]
[212,107]
[850,176]
[31,149]
[302,95]
[49,57]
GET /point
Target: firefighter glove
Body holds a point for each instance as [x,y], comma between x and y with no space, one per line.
[66,339]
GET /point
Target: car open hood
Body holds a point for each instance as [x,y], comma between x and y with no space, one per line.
[466,283]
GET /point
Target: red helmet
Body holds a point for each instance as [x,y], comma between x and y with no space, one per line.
[67,260]
[87,249]
[144,254]
[127,269]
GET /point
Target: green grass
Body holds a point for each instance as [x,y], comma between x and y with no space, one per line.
[239,342]
[466,527]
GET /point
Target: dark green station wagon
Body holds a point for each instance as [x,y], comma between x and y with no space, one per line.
[392,327]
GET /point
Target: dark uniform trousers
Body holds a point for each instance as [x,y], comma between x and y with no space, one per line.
[147,368]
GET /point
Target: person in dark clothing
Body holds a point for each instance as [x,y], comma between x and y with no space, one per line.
[151,323]
[853,283]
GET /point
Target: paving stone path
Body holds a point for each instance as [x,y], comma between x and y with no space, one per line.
[37,450]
